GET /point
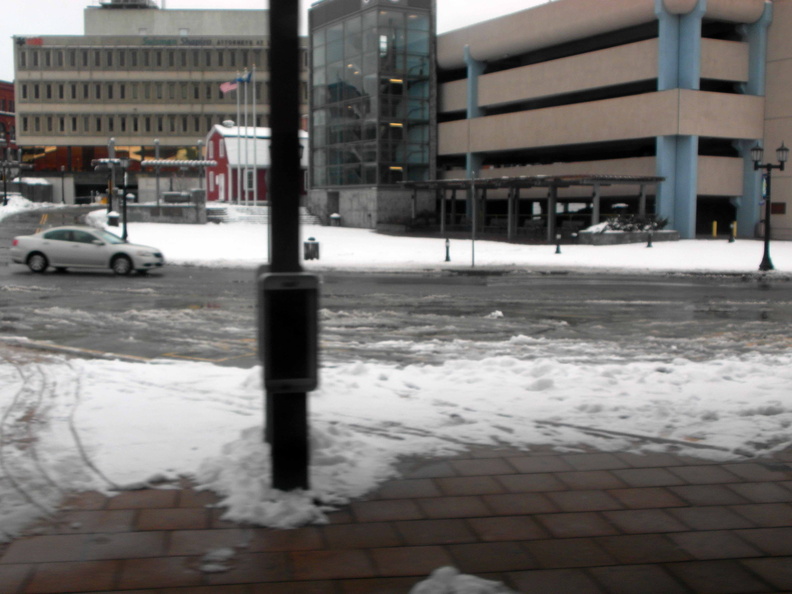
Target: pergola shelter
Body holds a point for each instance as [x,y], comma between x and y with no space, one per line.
[524,189]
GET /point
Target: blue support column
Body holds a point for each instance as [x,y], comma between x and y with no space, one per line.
[679,67]
[749,207]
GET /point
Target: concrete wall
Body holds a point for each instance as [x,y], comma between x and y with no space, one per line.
[369,208]
[100,21]
[188,214]
[778,114]
[556,23]
[665,113]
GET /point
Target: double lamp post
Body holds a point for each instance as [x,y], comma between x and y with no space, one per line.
[757,153]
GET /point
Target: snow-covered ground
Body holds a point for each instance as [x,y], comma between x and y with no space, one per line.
[69,424]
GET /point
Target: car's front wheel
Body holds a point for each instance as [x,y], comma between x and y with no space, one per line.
[121,265]
[37,262]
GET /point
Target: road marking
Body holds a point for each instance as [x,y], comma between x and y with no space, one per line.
[235,349]
[42,222]
[58,348]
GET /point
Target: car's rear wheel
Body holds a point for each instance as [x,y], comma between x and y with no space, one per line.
[121,265]
[37,262]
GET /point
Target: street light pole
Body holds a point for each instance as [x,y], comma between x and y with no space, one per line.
[782,154]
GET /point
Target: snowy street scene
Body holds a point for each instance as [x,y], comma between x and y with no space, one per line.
[445,383]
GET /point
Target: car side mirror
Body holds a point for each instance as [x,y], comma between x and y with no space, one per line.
[97,242]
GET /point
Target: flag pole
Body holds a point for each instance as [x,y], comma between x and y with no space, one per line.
[255,140]
[247,139]
[239,147]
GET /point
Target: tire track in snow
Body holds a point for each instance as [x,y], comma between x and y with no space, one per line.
[19,460]
[42,456]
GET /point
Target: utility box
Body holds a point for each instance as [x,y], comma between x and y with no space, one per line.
[288,331]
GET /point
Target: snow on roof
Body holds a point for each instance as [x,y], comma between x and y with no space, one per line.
[246,147]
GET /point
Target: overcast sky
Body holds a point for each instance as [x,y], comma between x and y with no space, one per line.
[65,17]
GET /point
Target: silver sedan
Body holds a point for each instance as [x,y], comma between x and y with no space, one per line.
[83,247]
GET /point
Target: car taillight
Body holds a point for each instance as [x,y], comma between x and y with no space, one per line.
[14,242]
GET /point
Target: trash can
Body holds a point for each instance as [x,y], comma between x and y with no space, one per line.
[113,218]
[335,220]
[311,249]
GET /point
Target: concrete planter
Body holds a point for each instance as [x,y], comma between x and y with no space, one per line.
[622,237]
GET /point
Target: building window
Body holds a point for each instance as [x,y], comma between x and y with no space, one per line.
[48,59]
[97,58]
[49,123]
[37,124]
[145,58]
[86,92]
[23,59]
[159,58]
[133,58]
[110,124]
[35,59]
[74,124]
[109,58]
[171,59]
[61,125]
[183,59]
[24,91]
[72,58]
[24,123]
[36,92]
[122,91]
[84,58]
[134,124]
[61,92]
[122,58]
[160,124]
[49,91]
[98,124]
[122,123]
[110,91]
[98,90]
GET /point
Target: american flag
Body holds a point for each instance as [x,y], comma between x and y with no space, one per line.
[227,87]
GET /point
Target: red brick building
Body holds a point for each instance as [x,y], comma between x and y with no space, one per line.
[7,112]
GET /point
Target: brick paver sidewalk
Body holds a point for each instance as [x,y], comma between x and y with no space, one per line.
[540,523]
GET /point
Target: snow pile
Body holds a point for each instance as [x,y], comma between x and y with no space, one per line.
[109,425]
[16,203]
[448,580]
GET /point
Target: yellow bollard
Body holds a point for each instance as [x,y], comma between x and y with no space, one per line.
[734,229]
[714,228]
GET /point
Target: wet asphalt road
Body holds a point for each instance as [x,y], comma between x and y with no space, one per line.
[208,314]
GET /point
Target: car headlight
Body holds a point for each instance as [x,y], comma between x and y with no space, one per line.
[145,253]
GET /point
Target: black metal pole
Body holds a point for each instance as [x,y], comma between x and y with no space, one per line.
[287,421]
[767,263]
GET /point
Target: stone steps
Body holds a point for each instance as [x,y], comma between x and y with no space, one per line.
[260,215]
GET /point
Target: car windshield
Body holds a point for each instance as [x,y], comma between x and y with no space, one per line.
[108,237]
